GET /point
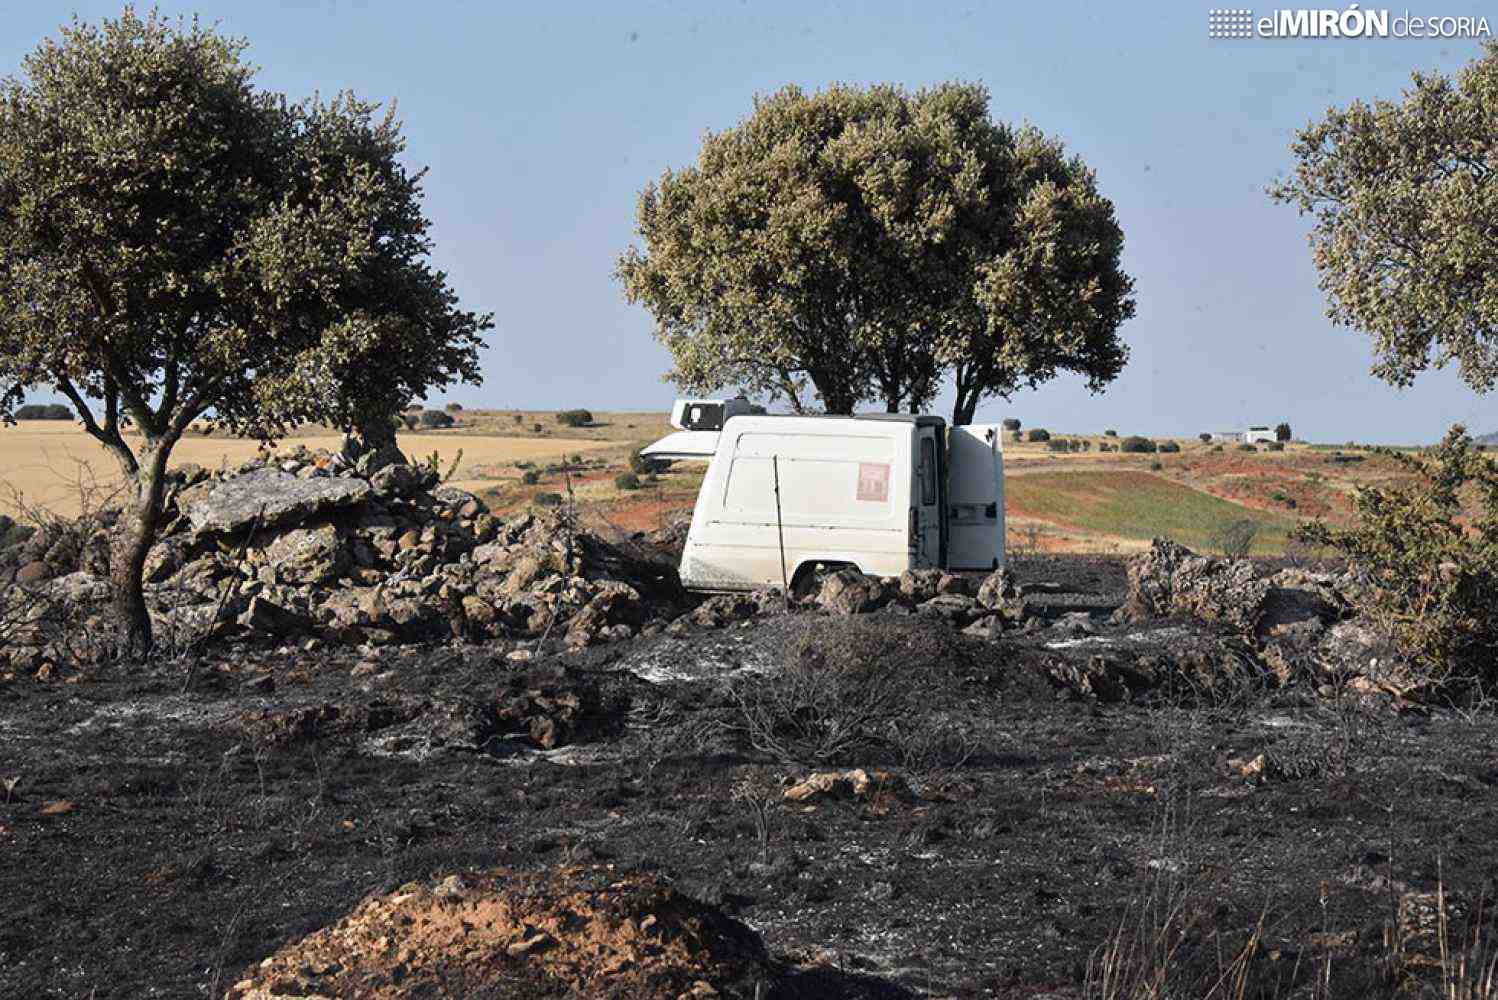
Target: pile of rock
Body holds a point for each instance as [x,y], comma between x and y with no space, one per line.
[303,546]
[981,607]
[1301,624]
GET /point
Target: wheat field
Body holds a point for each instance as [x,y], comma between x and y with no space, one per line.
[52,464]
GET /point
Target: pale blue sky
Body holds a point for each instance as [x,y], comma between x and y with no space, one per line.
[541,122]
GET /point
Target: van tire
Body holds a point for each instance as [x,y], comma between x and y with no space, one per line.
[807,580]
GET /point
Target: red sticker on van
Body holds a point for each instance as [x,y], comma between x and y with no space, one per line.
[873,481]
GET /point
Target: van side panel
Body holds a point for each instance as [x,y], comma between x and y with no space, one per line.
[844,497]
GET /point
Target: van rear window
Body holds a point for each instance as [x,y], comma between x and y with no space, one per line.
[928,472]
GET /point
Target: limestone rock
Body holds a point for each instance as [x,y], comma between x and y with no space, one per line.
[855,784]
[78,588]
[309,555]
[999,590]
[919,585]
[270,495]
[849,592]
[1171,580]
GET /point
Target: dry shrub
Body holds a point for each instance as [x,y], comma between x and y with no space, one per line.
[1235,537]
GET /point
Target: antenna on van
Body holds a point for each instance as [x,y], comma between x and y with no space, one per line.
[785,587]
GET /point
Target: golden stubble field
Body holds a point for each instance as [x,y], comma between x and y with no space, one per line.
[44,462]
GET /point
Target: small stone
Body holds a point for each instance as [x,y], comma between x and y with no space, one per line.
[526,945]
[261,683]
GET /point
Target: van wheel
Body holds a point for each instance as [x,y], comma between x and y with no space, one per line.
[809,576]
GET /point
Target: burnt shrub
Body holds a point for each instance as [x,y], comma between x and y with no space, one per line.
[454,407]
[1110,433]
[1137,445]
[627,481]
[1247,447]
[845,686]
[1038,434]
[575,418]
[548,499]
[1010,423]
[1275,446]
[1169,446]
[530,477]
[1058,444]
[1429,582]
[1204,437]
[436,418]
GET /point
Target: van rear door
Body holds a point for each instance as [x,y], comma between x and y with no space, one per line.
[926,498]
[976,508]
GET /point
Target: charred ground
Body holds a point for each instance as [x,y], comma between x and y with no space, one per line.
[164,838]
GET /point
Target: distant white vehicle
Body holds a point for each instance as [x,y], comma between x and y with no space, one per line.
[879,493]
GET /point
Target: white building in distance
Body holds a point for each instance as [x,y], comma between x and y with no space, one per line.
[1254,435]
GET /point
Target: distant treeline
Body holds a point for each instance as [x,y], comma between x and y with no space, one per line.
[44,411]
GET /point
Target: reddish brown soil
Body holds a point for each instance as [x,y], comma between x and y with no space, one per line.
[647,515]
[589,930]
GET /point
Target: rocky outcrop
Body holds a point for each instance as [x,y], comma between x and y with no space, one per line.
[1170,580]
[268,497]
[1300,624]
[301,545]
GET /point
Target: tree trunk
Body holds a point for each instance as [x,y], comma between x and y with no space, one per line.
[133,537]
[376,437]
[835,398]
[964,405]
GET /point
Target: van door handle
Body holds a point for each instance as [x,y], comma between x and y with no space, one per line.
[915,527]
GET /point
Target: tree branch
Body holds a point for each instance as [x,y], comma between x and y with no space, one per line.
[108,435]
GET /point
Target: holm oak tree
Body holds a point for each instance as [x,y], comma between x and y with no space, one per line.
[875,242]
[176,242]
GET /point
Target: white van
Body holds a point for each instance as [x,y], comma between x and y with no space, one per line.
[881,493]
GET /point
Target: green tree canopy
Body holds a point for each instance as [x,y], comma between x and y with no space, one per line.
[176,242]
[873,242]
[1404,199]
